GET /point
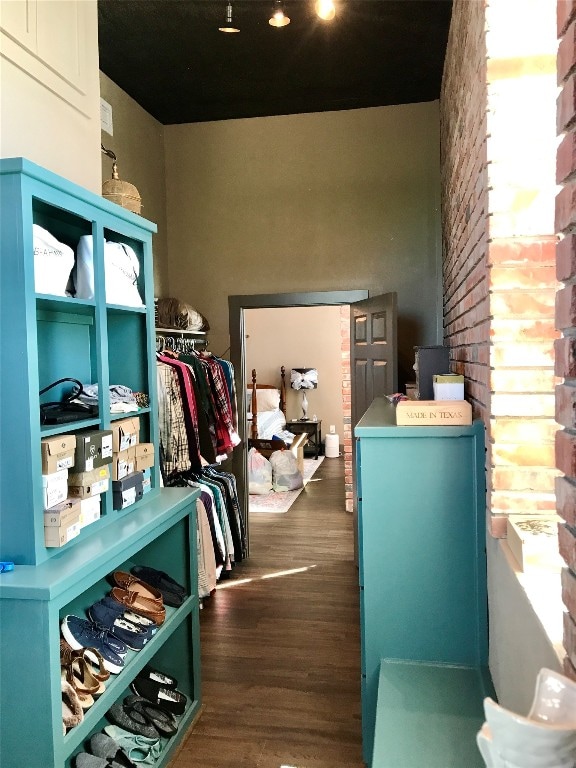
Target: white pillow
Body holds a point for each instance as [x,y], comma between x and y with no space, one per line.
[268,399]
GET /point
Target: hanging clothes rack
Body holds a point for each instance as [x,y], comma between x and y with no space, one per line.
[178,340]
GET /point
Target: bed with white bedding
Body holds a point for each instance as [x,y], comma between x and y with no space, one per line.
[266,406]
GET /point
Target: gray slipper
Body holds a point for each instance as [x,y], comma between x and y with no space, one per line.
[84,760]
[104,746]
[126,717]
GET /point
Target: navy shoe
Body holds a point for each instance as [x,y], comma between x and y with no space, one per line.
[81,633]
[135,637]
[119,609]
[172,592]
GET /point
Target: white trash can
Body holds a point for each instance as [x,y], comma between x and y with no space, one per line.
[332,446]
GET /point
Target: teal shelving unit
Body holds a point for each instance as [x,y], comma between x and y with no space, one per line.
[423,598]
[44,338]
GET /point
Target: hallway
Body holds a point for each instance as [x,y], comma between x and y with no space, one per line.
[281,644]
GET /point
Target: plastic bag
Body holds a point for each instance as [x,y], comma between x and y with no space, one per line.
[259,473]
[285,473]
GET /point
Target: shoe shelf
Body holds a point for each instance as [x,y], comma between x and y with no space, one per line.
[34,599]
[107,339]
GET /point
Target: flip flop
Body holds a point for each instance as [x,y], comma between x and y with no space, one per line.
[126,716]
[164,722]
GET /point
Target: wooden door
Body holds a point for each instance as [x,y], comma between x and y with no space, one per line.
[373,364]
[373,351]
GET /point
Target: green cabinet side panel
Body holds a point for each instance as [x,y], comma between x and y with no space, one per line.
[422,548]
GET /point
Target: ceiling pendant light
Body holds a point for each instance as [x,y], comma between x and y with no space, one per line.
[278,18]
[325,9]
[228,26]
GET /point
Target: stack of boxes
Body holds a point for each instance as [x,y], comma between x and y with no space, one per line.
[90,475]
[76,470]
[61,514]
[131,459]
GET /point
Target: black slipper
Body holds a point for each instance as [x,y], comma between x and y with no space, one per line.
[162,679]
[167,699]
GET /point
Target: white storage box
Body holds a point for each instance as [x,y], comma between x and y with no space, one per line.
[89,510]
[448,386]
[55,488]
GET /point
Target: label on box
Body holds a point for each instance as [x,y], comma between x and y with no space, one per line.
[55,488]
[128,496]
[107,447]
[89,510]
[439,413]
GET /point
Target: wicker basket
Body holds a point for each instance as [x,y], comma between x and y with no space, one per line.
[121,192]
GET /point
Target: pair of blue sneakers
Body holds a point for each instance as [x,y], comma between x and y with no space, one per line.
[111,630]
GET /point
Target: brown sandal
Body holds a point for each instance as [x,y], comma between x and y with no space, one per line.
[78,670]
[133,584]
[142,605]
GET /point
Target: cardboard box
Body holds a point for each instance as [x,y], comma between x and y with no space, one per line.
[533,540]
[123,463]
[55,488]
[57,537]
[438,413]
[85,484]
[144,453]
[125,433]
[57,453]
[93,450]
[89,510]
[127,491]
[63,514]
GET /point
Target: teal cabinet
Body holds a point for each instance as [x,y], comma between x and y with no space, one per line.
[33,599]
[46,337]
[421,509]
[103,339]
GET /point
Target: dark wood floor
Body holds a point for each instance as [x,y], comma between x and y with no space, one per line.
[281,644]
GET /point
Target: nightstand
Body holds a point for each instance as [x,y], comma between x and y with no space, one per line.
[311,428]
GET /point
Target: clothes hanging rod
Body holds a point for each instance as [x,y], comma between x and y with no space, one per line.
[180,330]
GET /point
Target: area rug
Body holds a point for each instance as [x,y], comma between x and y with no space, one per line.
[281,502]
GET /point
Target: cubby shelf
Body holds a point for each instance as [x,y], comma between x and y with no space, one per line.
[46,337]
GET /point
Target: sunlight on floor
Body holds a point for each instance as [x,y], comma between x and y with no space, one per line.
[237,582]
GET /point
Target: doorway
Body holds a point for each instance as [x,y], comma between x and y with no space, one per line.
[237,305]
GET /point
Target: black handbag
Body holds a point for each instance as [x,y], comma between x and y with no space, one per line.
[66,411]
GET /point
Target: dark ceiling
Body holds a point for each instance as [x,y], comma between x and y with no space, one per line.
[169,56]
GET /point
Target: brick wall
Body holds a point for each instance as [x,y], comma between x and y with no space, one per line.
[566,318]
[465,203]
[498,148]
